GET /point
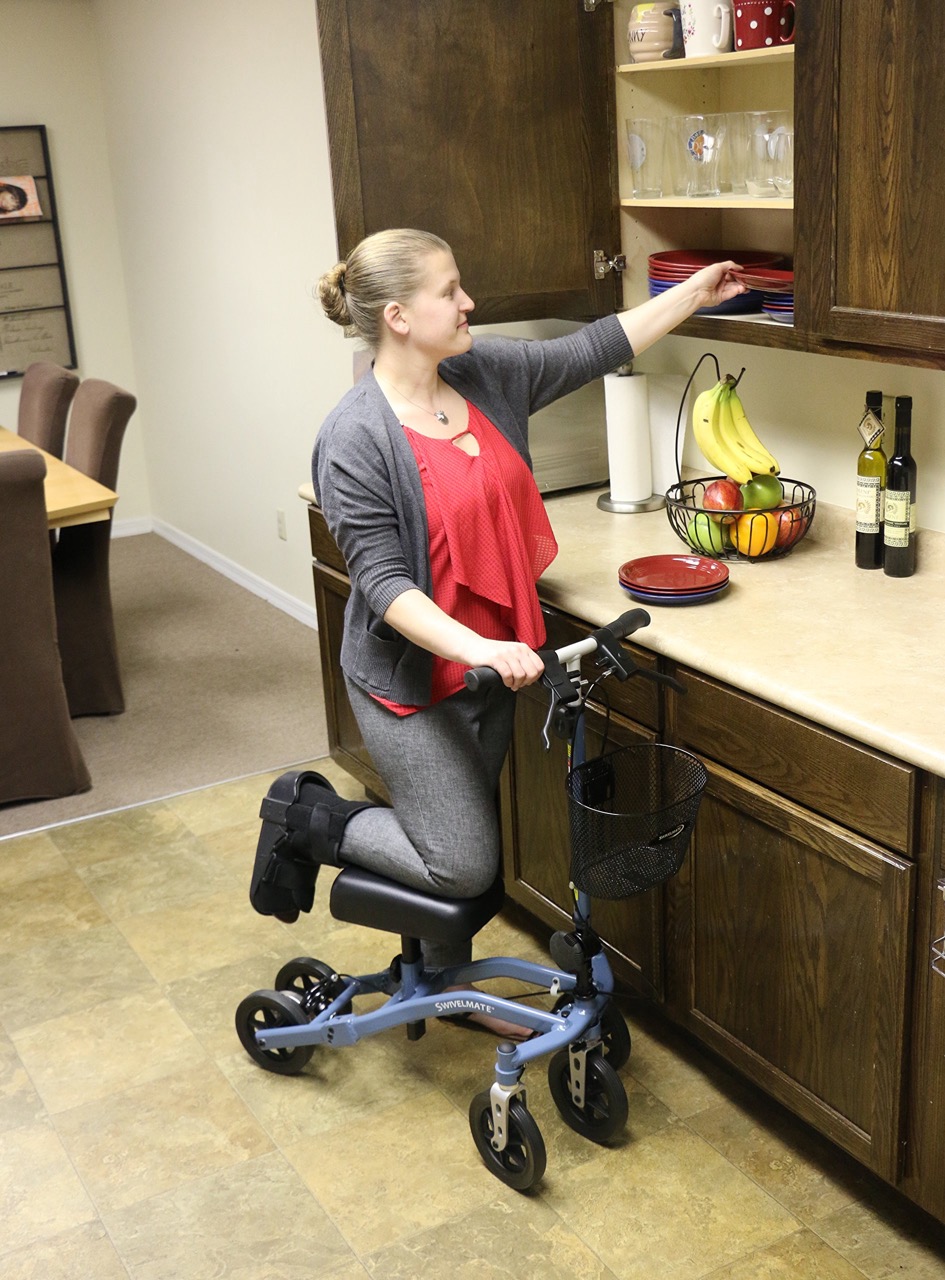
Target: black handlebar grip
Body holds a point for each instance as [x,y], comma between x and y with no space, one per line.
[629,622]
[477,678]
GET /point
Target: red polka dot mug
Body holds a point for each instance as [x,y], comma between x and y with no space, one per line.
[762,24]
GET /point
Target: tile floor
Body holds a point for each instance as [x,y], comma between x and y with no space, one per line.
[138,1140]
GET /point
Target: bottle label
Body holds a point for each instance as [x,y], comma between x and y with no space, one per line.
[897,518]
[870,428]
[869,504]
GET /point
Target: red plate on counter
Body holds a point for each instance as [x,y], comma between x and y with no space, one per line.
[674,575]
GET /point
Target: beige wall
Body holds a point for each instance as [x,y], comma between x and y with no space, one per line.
[190,152]
[189,148]
[51,77]
[218,146]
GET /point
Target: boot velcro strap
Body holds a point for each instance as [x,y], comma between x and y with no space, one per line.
[316,830]
[275,810]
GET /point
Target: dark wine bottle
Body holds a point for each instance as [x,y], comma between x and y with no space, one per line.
[870,485]
[899,525]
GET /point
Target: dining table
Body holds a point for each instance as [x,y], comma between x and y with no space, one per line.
[71,496]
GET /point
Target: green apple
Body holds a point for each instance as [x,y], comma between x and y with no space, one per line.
[762,492]
[705,534]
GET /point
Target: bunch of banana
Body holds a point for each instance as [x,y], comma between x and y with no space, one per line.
[725,435]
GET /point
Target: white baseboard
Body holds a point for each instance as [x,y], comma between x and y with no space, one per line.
[130,528]
[229,568]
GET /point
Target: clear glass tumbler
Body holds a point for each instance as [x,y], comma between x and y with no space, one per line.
[645,156]
[698,145]
[764,129]
[784,163]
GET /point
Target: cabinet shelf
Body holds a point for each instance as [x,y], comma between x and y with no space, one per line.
[710,202]
[747,58]
[754,330]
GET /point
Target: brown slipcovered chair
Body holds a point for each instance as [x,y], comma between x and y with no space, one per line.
[39,754]
[45,395]
[87,642]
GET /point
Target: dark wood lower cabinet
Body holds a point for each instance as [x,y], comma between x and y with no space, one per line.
[794,961]
[795,941]
[344,737]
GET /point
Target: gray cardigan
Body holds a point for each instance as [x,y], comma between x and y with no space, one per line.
[368,484]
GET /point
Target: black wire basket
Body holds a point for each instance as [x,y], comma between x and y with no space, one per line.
[631,814]
[740,535]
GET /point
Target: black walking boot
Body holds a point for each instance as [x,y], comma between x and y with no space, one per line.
[304,820]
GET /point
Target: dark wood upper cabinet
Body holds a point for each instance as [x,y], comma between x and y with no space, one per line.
[490,123]
[870,96]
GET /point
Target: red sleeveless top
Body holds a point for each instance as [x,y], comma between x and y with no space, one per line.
[490,541]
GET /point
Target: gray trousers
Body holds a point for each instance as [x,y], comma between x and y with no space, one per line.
[441,766]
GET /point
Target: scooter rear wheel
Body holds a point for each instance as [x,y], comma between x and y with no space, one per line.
[264,1011]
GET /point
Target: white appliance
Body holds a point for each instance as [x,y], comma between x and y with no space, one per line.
[568,441]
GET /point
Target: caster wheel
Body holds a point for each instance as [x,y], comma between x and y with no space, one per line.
[300,977]
[604,1113]
[522,1163]
[302,974]
[262,1011]
[615,1034]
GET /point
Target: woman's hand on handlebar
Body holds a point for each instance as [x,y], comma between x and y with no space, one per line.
[416,616]
[516,664]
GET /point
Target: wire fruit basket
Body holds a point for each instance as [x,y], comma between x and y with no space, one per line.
[631,814]
[740,535]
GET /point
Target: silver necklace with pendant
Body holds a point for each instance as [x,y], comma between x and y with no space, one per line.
[434,413]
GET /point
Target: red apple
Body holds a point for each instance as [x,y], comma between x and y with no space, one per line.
[723,495]
[791,524]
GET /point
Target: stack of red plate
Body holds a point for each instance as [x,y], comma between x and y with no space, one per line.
[673,579]
[777,291]
[672,267]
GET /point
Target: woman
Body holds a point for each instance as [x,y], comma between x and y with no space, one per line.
[424,476]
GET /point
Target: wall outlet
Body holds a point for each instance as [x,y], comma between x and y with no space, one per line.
[280,525]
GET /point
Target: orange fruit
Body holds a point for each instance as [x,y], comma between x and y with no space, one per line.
[756,533]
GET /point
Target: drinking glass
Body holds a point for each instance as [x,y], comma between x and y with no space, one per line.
[764,128]
[784,162]
[697,144]
[735,153]
[645,155]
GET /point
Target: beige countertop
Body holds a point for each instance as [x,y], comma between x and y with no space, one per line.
[853,650]
[850,649]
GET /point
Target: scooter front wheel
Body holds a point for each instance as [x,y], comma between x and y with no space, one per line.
[614,1032]
[604,1113]
[522,1163]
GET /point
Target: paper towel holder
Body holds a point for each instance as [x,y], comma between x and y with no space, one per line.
[606,503]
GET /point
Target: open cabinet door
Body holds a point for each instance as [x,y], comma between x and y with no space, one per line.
[871,175]
[489,123]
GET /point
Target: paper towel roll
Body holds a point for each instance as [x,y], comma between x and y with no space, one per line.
[664,392]
[628,437]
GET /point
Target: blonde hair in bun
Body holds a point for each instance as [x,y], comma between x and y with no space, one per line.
[331,294]
[386,266]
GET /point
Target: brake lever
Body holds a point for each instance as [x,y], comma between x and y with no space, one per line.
[659,678]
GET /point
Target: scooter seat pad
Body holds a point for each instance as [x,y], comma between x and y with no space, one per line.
[361,897]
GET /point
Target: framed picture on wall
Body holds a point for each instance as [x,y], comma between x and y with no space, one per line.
[35,319]
[19,197]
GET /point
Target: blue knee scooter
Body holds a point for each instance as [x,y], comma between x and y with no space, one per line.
[631,814]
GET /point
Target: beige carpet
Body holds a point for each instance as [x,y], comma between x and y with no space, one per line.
[218,684]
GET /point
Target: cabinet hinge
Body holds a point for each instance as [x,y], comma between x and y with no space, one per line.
[591,5]
[603,263]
